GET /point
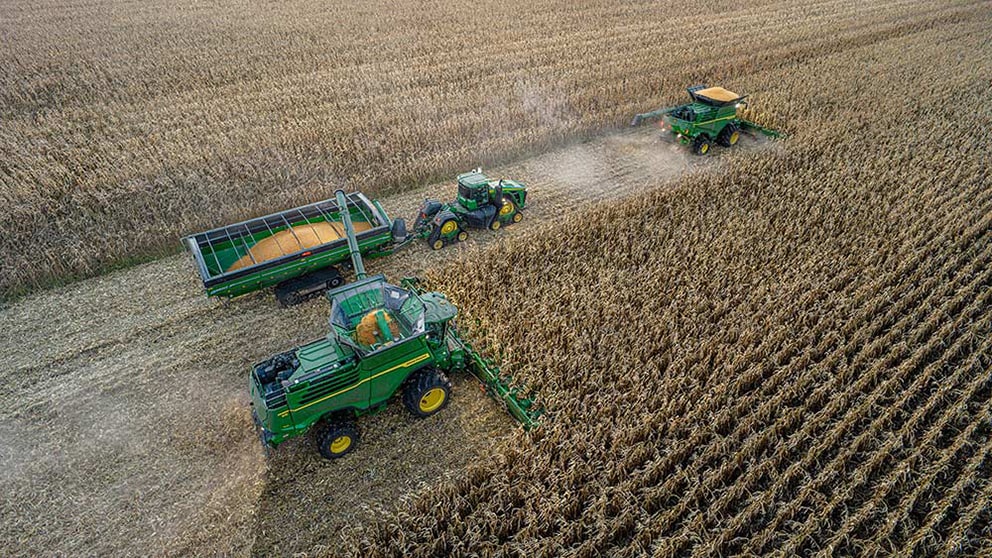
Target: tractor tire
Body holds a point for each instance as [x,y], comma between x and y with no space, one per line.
[427,392]
[509,210]
[337,438]
[434,240]
[702,145]
[494,225]
[462,236]
[729,135]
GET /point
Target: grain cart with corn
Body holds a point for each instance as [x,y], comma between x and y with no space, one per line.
[482,203]
[711,117]
[301,252]
[384,340]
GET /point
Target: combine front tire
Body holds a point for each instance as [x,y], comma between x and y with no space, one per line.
[337,439]
[729,135]
[426,392]
[701,146]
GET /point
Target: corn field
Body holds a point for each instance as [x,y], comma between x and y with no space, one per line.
[784,348]
[790,358]
[124,128]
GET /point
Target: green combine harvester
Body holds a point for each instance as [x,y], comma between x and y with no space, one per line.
[482,203]
[710,118]
[384,340]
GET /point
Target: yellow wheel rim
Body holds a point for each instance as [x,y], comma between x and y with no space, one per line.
[448,227]
[704,148]
[507,208]
[341,444]
[495,226]
[462,236]
[517,217]
[432,400]
[438,244]
[734,137]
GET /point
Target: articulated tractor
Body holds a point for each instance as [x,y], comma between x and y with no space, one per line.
[481,204]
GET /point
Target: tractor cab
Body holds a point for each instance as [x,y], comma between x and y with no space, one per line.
[475,191]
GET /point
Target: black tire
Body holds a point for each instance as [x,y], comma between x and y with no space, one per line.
[495,224]
[330,436]
[729,135]
[420,395]
[288,298]
[702,145]
[514,211]
[434,240]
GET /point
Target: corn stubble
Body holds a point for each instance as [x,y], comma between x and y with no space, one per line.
[790,358]
[122,130]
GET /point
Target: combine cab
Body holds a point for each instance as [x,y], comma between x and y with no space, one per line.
[384,340]
[481,204]
[711,117]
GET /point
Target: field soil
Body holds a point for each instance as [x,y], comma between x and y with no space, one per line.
[132,433]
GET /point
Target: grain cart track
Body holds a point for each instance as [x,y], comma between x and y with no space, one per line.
[120,379]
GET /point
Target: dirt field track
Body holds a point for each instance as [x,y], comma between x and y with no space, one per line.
[118,443]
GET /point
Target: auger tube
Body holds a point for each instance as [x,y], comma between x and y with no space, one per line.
[349,230]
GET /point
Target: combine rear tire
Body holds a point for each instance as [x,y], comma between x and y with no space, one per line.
[426,392]
[729,135]
[702,145]
[337,439]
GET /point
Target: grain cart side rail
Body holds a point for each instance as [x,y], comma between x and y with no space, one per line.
[300,251]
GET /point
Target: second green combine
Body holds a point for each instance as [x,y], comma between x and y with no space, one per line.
[384,341]
[711,117]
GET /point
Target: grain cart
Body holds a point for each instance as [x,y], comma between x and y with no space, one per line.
[384,340]
[301,251]
[481,204]
[710,117]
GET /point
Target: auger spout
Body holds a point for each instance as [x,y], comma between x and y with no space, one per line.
[349,229]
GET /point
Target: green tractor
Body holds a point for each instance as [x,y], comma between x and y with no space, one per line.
[710,118]
[385,340]
[481,204]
